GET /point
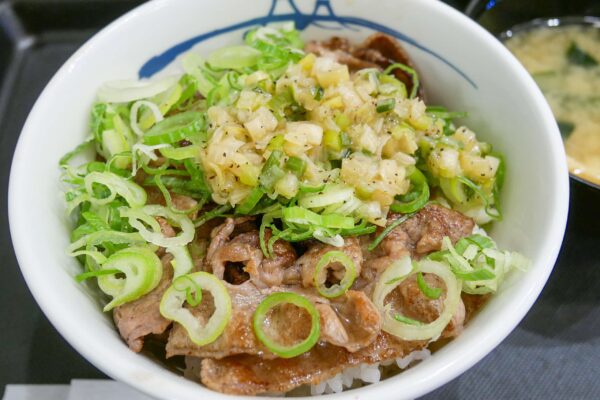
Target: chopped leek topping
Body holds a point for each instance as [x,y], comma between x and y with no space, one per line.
[408,70]
[397,324]
[181,290]
[142,269]
[385,105]
[478,263]
[387,231]
[428,291]
[416,198]
[261,315]
[320,276]
[176,128]
[139,218]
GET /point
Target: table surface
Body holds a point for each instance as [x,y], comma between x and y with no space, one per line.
[553,354]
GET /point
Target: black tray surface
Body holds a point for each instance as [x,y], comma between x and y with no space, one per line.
[553,354]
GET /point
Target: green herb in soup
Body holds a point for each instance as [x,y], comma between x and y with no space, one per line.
[564,61]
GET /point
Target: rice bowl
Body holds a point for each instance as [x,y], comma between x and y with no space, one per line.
[526,232]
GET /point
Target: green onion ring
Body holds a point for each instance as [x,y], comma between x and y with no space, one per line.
[182,289]
[320,276]
[408,70]
[275,299]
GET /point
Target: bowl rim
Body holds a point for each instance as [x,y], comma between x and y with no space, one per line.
[184,389]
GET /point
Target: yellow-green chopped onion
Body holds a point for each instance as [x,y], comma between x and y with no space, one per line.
[320,276]
[142,269]
[394,323]
[260,317]
[183,289]
[296,165]
[385,105]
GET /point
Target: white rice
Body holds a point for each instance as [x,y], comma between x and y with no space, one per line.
[365,373]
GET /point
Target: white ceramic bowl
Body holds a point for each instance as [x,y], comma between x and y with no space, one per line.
[504,105]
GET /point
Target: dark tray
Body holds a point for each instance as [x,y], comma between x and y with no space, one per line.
[553,354]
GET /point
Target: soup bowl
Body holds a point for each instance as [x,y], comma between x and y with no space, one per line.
[508,17]
[463,67]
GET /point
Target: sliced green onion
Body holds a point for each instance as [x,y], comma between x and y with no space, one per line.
[100,237]
[271,171]
[234,57]
[411,72]
[487,200]
[78,150]
[406,320]
[214,213]
[133,115]
[169,201]
[302,216]
[133,193]
[131,90]
[482,271]
[387,231]
[296,165]
[311,189]
[483,242]
[197,177]
[260,317]
[171,306]
[400,328]
[182,260]
[139,217]
[454,190]
[442,113]
[385,105]
[143,271]
[94,274]
[332,140]
[317,92]
[176,128]
[420,195]
[180,153]
[320,275]
[276,143]
[428,291]
[332,195]
[250,201]
[477,275]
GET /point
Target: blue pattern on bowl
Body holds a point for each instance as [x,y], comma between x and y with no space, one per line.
[301,20]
